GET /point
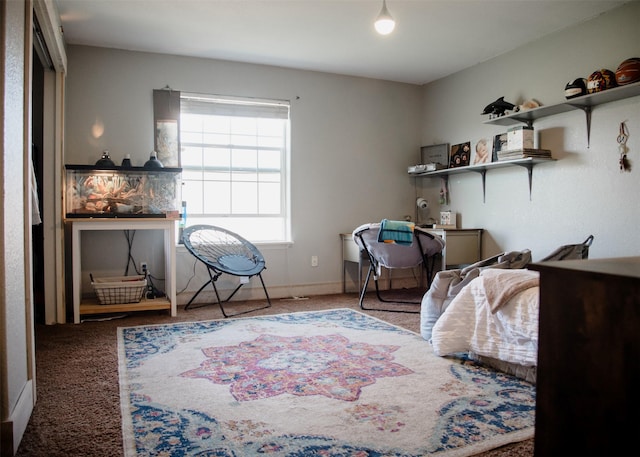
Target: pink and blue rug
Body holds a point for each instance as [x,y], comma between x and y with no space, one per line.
[327,383]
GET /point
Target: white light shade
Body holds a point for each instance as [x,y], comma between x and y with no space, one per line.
[384,23]
[422,203]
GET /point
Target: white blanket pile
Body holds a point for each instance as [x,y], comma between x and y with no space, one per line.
[495,315]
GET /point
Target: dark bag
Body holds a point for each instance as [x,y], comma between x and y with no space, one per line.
[571,251]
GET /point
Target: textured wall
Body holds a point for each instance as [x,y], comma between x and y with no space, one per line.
[582,193]
[13,331]
[352,139]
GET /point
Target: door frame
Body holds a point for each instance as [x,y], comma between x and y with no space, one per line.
[53,161]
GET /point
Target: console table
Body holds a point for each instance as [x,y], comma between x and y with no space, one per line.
[588,357]
[82,307]
[462,247]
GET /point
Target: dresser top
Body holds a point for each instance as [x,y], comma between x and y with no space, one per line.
[621,266]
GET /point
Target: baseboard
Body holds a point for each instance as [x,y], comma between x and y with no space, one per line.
[14,427]
[255,292]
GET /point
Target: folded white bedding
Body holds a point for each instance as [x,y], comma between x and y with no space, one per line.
[509,334]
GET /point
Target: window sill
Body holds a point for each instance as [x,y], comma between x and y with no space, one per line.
[264,246]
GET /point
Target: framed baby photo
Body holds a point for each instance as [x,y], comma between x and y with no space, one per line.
[481,152]
[460,155]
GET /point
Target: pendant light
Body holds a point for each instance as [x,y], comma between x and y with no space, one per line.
[384,23]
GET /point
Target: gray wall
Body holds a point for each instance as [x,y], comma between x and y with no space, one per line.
[352,139]
[16,324]
[584,192]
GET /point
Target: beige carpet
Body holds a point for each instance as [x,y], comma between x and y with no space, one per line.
[78,407]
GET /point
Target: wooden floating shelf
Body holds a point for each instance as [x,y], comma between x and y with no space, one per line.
[93,307]
[584,103]
[527,163]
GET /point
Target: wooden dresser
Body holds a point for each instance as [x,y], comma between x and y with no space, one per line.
[588,382]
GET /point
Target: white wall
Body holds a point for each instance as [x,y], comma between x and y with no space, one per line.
[584,192]
[16,324]
[352,140]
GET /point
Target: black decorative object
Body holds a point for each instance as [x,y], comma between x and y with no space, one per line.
[126,162]
[498,107]
[105,161]
[575,88]
[153,161]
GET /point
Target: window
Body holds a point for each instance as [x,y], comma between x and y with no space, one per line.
[235,159]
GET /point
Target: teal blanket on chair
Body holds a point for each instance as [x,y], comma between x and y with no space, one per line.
[400,232]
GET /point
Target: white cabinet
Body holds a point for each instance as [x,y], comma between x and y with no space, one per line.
[84,307]
[462,246]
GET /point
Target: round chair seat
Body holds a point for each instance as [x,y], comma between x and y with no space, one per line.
[236,263]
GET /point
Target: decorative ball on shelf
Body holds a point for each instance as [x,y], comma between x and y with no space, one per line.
[600,80]
[628,71]
[575,88]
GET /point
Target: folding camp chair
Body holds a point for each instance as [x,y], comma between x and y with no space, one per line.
[422,251]
[223,251]
[571,251]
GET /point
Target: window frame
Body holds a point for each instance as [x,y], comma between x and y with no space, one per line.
[251,225]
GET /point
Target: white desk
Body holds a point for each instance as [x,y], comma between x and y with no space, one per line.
[462,247]
[351,253]
[168,226]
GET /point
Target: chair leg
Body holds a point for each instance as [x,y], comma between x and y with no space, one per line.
[212,281]
[375,280]
[429,265]
[186,307]
[220,302]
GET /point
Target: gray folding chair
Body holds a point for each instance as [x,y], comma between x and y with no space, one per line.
[223,251]
[421,252]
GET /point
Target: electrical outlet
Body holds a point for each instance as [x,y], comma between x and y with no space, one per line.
[143,267]
[314,260]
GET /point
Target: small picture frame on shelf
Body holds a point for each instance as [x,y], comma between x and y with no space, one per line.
[460,155]
[482,151]
[499,144]
[437,154]
[448,219]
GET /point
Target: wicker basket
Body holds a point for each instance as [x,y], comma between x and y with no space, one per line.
[120,289]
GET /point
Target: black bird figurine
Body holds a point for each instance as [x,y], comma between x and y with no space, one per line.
[498,107]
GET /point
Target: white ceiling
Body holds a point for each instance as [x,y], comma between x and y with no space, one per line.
[432,39]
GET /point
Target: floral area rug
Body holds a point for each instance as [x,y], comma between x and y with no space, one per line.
[326,383]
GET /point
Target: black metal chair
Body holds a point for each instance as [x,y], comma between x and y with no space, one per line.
[422,251]
[223,251]
[571,251]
